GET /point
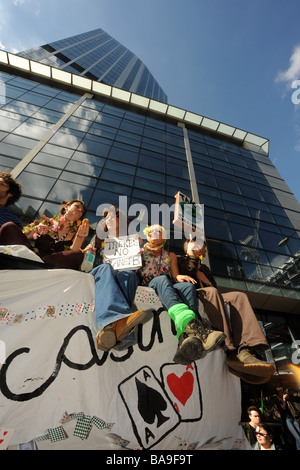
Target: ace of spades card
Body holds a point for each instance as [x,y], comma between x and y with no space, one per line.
[149,407]
[181,383]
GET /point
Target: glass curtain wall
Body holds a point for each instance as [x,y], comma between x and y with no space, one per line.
[104,151]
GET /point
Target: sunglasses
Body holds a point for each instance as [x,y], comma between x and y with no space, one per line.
[261,434]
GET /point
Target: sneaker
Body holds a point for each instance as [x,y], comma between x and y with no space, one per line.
[210,338]
[247,363]
[249,378]
[189,349]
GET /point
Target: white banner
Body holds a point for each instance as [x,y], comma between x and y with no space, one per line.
[58,391]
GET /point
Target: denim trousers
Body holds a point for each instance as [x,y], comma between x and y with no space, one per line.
[294,428]
[171,294]
[114,294]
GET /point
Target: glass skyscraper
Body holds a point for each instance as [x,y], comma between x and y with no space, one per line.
[64,134]
[98,56]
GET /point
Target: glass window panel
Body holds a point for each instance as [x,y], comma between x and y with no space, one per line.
[65,140]
[36,132]
[150,185]
[249,253]
[104,197]
[225,267]
[83,168]
[78,178]
[115,187]
[117,177]
[237,208]
[216,229]
[278,260]
[124,153]
[221,249]
[53,160]
[59,151]
[7,164]
[88,158]
[203,177]
[20,141]
[35,186]
[152,175]
[12,150]
[42,170]
[146,195]
[283,221]
[64,191]
[226,184]
[177,170]
[120,167]
[241,233]
[96,147]
[7,124]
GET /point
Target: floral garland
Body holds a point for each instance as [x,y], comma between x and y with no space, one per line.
[53,223]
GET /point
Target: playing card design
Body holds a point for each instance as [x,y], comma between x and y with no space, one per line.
[149,408]
[5,437]
[183,387]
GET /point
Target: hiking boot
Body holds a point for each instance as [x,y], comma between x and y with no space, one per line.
[210,338]
[109,336]
[247,363]
[189,349]
[249,378]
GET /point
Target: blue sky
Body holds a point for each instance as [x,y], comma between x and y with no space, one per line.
[231,60]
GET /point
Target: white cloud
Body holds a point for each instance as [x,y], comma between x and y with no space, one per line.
[293,72]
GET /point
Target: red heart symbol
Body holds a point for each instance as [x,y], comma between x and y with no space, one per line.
[181,387]
[1,440]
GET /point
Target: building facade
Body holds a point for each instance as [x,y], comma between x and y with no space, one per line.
[64,136]
[98,56]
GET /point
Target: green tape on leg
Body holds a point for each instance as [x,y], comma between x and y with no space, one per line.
[181,315]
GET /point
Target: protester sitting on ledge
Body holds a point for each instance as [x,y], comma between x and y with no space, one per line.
[114,290]
[178,295]
[10,192]
[56,240]
[244,336]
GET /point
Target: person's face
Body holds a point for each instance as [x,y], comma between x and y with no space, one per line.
[155,236]
[198,249]
[4,191]
[74,211]
[255,417]
[263,437]
[112,223]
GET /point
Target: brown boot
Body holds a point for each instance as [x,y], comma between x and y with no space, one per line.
[108,337]
[249,378]
[124,326]
[247,363]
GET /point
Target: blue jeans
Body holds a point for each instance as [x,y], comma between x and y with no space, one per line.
[294,428]
[114,294]
[171,294]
